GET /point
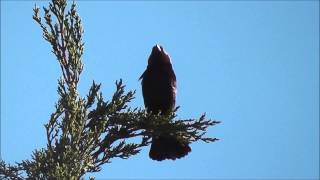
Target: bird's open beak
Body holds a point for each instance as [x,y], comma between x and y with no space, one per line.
[157,48]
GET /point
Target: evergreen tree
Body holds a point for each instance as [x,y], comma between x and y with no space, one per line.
[83,133]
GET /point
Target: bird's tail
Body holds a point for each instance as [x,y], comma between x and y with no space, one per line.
[168,147]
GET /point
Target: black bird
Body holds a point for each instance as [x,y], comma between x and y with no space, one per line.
[159,93]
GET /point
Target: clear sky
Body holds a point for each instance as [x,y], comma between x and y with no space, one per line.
[254,65]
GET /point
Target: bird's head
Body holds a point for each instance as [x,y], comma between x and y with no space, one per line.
[158,56]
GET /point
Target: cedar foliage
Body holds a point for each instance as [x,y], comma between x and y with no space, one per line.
[83,133]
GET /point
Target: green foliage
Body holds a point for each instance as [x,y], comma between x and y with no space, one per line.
[85,133]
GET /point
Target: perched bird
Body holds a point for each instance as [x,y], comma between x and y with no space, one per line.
[159,93]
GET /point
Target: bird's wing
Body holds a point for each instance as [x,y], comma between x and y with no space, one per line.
[142,75]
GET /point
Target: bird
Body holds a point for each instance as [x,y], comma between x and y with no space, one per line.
[159,93]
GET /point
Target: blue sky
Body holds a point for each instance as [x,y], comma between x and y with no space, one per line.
[254,65]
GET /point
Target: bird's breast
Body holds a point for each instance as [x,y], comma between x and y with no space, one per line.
[158,88]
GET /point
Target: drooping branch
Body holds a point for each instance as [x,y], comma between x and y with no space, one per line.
[9,171]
